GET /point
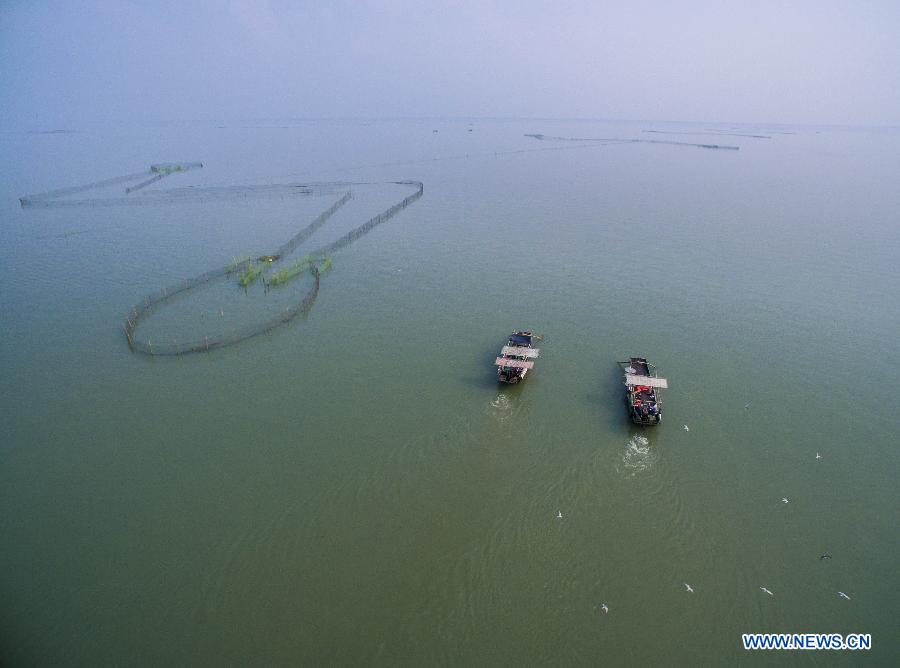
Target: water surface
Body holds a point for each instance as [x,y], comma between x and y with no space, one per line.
[355,488]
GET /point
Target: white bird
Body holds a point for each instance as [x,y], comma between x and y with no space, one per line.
[686,428]
[818,456]
[604,608]
[840,593]
[689,587]
[785,500]
[559,514]
[767,591]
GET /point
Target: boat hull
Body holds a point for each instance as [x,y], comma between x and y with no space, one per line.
[642,400]
[512,379]
[516,357]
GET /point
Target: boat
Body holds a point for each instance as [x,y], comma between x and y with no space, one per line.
[642,386]
[516,357]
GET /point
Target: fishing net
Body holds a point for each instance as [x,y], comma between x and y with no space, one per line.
[245,271]
[62,198]
[618,140]
[261,268]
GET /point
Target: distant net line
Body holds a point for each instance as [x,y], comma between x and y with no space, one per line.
[619,140]
[714,133]
[144,184]
[466,156]
[40,198]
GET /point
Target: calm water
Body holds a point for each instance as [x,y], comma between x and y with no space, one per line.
[355,488]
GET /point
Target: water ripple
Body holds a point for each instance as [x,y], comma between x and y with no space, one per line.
[637,458]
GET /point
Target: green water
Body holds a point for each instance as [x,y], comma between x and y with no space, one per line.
[354,488]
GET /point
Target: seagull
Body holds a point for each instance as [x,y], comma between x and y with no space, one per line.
[559,514]
[785,500]
[689,588]
[824,557]
[818,456]
[747,406]
[843,595]
[686,428]
[604,608]
[767,591]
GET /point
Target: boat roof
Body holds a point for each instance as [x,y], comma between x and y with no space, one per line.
[515,364]
[520,350]
[631,379]
[521,338]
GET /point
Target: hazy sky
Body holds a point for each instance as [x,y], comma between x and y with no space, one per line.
[65,63]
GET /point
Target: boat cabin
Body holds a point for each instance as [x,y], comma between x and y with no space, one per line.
[642,386]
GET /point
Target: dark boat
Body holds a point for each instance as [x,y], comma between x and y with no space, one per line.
[515,357]
[642,386]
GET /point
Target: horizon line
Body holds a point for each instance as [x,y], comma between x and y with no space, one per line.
[581,119]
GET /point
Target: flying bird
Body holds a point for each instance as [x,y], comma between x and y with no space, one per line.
[843,595]
[824,557]
[785,500]
[818,456]
[604,608]
[767,591]
[686,428]
[689,588]
[559,514]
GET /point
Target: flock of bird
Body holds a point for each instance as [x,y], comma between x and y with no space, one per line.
[604,608]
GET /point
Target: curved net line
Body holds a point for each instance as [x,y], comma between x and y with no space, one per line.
[215,342]
[154,300]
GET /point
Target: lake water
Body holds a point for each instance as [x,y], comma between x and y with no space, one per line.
[355,488]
